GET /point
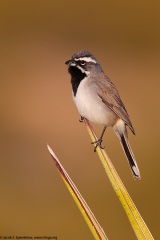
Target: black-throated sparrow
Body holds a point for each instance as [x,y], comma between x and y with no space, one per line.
[98,100]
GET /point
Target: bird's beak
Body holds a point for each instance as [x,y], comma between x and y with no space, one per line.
[70,62]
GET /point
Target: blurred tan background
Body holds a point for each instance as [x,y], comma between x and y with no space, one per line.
[36,38]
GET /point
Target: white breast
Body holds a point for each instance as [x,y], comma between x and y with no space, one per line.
[90,106]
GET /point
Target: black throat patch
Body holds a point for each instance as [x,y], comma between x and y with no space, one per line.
[76,77]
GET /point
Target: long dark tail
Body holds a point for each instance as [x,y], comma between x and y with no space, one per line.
[130,156]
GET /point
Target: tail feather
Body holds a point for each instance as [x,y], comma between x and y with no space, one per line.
[130,156]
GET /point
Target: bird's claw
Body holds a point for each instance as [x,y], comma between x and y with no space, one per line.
[81,119]
[98,144]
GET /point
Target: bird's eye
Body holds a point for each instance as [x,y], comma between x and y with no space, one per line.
[82,62]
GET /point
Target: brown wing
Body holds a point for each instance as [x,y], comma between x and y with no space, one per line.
[110,96]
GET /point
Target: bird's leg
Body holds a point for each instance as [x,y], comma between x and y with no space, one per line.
[99,141]
[81,119]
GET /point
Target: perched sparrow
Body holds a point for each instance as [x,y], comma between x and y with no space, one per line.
[98,100]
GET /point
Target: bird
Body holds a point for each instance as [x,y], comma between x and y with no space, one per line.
[98,101]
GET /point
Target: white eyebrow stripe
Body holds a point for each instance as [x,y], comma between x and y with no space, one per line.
[86,59]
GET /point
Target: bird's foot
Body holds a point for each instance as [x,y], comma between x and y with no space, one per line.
[98,144]
[81,119]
